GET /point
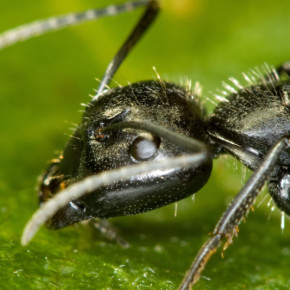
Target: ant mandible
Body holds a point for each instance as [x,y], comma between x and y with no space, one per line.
[149,144]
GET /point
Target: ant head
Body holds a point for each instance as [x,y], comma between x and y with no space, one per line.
[279,188]
[171,123]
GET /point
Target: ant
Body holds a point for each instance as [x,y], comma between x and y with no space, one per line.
[149,144]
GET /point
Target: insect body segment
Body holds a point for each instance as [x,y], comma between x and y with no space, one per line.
[258,119]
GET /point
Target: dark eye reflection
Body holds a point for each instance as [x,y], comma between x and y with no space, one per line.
[144,147]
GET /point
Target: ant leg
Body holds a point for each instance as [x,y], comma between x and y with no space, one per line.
[137,33]
[108,231]
[228,224]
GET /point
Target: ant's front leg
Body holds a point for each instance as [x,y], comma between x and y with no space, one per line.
[228,224]
[108,231]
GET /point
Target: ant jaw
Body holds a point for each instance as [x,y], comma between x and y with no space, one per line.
[72,213]
[52,182]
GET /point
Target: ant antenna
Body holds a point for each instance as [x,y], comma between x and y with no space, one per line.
[40,27]
[137,33]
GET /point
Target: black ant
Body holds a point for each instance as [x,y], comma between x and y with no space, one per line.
[149,144]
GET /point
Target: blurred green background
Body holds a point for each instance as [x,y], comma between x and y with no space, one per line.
[42,83]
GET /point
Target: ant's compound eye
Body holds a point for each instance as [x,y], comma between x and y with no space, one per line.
[144,147]
[97,130]
[98,133]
